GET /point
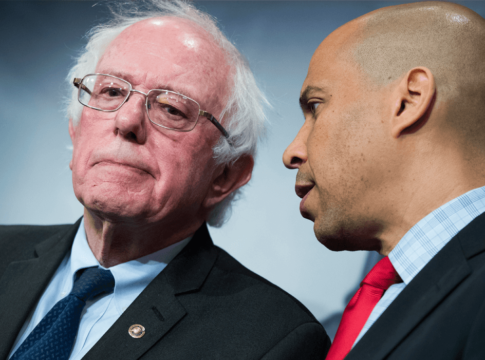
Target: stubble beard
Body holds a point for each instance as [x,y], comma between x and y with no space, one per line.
[338,230]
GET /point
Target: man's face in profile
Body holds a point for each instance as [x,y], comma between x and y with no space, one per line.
[337,147]
[123,166]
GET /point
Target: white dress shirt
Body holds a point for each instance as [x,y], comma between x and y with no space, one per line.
[425,239]
[131,278]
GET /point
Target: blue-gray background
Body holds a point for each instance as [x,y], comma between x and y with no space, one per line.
[266,232]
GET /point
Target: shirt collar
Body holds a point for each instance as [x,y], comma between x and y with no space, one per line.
[131,277]
[423,241]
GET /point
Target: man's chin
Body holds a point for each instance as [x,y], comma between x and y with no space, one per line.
[116,207]
[345,244]
[345,239]
[116,214]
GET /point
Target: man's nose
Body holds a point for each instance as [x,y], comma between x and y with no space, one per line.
[295,154]
[130,119]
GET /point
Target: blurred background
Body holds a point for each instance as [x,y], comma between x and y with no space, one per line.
[266,232]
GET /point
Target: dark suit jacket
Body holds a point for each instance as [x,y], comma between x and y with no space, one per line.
[204,305]
[441,312]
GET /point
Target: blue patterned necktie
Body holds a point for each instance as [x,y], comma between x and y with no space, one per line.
[53,338]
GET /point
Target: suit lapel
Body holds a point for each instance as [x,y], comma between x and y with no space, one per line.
[433,283]
[157,308]
[23,283]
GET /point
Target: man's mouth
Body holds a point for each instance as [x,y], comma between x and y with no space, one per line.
[118,163]
[302,190]
[127,162]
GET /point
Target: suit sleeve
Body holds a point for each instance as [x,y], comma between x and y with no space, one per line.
[475,350]
[308,341]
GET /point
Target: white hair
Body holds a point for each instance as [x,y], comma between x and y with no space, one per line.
[244,110]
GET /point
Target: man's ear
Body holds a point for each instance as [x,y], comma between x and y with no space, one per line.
[229,179]
[72,134]
[413,96]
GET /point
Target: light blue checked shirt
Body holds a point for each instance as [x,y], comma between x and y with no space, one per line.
[424,240]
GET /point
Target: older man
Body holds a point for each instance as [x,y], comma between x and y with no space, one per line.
[164,121]
[390,158]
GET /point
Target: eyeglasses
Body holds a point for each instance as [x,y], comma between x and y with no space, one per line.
[165,108]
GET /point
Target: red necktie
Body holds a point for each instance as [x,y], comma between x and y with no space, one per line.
[360,307]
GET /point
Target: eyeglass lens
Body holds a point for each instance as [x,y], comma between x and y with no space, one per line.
[165,108]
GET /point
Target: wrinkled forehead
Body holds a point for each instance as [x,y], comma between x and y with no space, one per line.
[171,53]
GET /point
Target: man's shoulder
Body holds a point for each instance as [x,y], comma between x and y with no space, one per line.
[18,242]
[235,303]
[25,235]
[26,231]
[256,289]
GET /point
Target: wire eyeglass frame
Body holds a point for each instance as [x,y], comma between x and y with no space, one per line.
[78,82]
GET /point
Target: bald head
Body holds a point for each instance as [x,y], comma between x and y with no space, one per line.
[447,38]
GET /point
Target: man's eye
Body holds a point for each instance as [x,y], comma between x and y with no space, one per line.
[312,107]
[114,92]
[110,92]
[173,111]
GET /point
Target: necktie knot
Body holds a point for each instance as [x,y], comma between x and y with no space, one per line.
[382,275]
[92,282]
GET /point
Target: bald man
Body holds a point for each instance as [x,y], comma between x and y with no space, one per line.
[391,159]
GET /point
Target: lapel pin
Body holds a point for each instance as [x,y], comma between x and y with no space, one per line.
[136,331]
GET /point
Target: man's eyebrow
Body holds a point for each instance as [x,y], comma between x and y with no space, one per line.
[305,94]
[120,74]
[163,86]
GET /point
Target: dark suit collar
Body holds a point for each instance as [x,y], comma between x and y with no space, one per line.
[58,242]
[157,307]
[190,268]
[432,284]
[23,283]
[472,237]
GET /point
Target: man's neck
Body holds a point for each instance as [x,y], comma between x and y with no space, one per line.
[113,243]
